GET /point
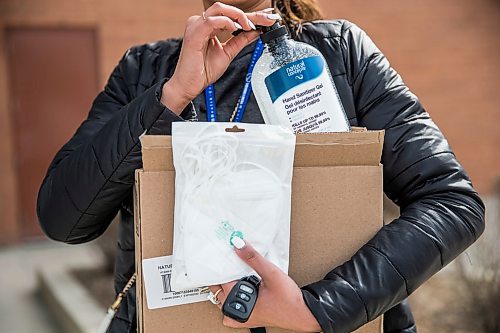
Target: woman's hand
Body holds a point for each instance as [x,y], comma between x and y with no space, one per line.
[203,58]
[279,304]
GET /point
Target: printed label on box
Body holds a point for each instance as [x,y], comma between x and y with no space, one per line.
[157,273]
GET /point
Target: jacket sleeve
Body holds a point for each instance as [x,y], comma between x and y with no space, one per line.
[94,172]
[441,213]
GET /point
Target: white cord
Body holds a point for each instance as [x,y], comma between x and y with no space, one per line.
[210,159]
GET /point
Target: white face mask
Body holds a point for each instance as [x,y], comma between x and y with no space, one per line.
[229,184]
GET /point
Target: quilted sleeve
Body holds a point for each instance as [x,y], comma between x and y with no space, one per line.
[441,213]
[94,171]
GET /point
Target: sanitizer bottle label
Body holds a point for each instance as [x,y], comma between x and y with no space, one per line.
[302,91]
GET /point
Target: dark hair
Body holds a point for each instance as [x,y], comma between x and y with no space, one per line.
[296,12]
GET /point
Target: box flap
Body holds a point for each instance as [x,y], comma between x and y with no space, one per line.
[358,147]
[157,153]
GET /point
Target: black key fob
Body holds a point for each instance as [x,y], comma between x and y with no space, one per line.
[241,300]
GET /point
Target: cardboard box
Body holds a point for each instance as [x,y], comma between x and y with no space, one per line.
[336,209]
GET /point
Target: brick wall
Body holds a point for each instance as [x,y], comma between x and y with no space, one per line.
[447,52]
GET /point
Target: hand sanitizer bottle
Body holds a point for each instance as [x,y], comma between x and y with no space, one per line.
[293,86]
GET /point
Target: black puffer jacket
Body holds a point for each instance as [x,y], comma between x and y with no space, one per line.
[91,179]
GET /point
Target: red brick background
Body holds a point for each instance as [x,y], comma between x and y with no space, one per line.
[447,52]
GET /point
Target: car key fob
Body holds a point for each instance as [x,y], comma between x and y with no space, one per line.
[241,300]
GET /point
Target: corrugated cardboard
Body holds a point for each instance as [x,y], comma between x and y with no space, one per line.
[336,208]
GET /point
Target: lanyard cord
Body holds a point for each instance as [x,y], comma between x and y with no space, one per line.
[240,107]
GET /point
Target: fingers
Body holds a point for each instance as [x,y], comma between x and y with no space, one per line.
[263,18]
[221,295]
[237,43]
[220,23]
[199,29]
[266,270]
[214,289]
[247,21]
[236,14]
[220,16]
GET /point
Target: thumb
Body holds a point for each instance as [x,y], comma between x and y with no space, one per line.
[266,269]
[234,45]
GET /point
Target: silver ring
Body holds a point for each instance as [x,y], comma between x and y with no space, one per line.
[204,16]
[213,297]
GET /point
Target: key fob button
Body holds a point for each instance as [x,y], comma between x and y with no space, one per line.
[241,300]
[246,289]
[238,307]
[244,297]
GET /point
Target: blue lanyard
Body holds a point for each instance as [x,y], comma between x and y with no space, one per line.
[245,93]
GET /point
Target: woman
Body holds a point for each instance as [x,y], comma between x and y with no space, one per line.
[91,177]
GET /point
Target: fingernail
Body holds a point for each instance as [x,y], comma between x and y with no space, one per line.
[237,25]
[273,16]
[268,10]
[238,242]
[250,23]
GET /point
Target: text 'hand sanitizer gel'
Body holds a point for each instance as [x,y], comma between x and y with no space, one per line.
[293,86]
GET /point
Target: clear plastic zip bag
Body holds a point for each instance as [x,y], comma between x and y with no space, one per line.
[229,181]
